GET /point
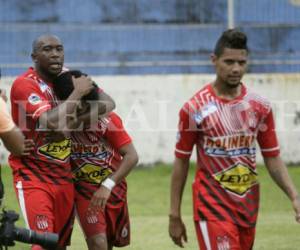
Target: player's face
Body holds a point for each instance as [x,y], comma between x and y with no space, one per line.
[231,66]
[49,57]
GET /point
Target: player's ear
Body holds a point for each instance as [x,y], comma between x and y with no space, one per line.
[33,57]
[213,58]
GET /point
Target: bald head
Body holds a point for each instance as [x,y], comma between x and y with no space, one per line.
[39,41]
[48,56]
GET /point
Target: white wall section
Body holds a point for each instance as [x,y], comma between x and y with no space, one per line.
[149,108]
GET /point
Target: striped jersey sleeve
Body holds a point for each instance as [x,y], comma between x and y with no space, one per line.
[267,138]
[186,134]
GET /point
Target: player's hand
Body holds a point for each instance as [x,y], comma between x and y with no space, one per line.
[28,147]
[99,199]
[296,206]
[83,85]
[177,230]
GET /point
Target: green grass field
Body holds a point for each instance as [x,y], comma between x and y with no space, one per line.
[149,202]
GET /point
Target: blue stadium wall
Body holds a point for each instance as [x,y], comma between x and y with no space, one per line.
[145,37]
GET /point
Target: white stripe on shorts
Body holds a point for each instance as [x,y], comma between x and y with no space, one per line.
[204,231]
[21,198]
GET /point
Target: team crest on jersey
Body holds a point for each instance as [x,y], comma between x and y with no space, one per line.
[237,179]
[205,111]
[34,99]
[57,150]
[92,173]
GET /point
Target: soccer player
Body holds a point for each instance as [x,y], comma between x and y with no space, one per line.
[43,179]
[102,156]
[224,120]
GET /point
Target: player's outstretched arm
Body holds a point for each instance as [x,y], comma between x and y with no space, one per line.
[177,230]
[279,173]
[129,160]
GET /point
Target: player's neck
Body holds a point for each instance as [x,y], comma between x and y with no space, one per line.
[45,77]
[224,91]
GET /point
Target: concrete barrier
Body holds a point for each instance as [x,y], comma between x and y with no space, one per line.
[149,108]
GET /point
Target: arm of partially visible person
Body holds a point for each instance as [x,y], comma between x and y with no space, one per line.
[279,173]
[10,134]
[15,143]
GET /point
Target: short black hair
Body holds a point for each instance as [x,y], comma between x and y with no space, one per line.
[232,39]
[36,44]
[63,86]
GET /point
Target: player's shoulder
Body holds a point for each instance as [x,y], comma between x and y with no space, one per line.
[28,78]
[199,99]
[257,99]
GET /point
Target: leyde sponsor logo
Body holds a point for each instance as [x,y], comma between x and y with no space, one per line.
[237,179]
[92,173]
[57,150]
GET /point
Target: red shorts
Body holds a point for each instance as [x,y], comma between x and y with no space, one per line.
[47,208]
[114,221]
[215,235]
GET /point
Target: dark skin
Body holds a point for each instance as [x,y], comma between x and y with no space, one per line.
[48,58]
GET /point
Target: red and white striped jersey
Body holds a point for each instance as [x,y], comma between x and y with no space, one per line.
[50,161]
[225,134]
[95,155]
